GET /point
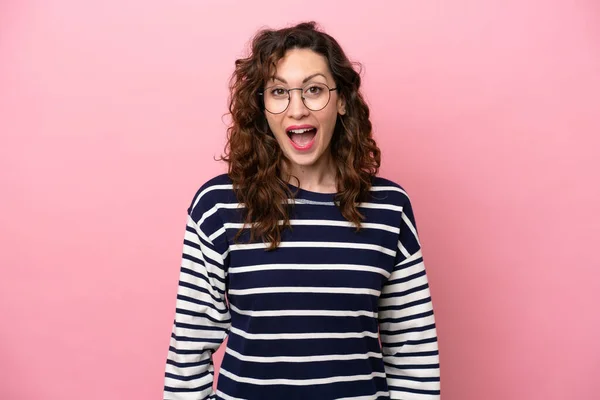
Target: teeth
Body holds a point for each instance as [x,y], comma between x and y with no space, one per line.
[300,130]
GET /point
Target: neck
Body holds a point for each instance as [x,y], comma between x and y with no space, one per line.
[319,177]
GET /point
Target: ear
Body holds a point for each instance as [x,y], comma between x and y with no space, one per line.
[341,105]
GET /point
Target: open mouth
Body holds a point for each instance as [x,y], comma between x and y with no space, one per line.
[302,138]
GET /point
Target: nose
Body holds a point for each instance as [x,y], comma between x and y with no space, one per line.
[296,108]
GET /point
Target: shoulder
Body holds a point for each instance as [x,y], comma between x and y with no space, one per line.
[392,191]
[218,189]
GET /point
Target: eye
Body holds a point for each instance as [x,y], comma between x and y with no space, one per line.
[314,90]
[278,92]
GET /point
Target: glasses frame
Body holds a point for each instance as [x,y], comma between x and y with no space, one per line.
[289,97]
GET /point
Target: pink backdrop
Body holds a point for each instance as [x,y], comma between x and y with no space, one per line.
[111,114]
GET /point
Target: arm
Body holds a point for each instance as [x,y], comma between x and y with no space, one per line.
[202,317]
[406,321]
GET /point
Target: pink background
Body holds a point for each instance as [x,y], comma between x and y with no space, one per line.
[111,114]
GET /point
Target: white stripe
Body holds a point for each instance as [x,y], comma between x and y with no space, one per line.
[302,382]
[311,335]
[207,255]
[309,202]
[308,267]
[210,189]
[317,222]
[216,207]
[371,397]
[201,333]
[388,189]
[194,280]
[410,360]
[348,224]
[292,201]
[403,250]
[411,227]
[210,254]
[201,322]
[198,308]
[236,225]
[410,348]
[381,206]
[176,383]
[335,245]
[227,397]
[204,252]
[412,384]
[304,313]
[380,226]
[188,345]
[360,205]
[396,326]
[217,234]
[407,312]
[400,300]
[187,395]
[185,371]
[414,257]
[301,289]
[397,288]
[415,372]
[303,359]
[405,272]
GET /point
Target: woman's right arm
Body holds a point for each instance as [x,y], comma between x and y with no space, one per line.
[202,317]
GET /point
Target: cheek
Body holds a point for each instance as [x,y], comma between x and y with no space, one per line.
[269,120]
[328,123]
[273,123]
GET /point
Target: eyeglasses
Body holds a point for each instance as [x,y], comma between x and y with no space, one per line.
[315,97]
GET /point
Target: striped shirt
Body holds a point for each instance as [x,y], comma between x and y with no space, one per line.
[332,313]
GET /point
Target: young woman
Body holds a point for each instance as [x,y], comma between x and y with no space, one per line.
[300,254]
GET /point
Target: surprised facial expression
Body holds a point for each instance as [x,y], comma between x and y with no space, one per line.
[303,128]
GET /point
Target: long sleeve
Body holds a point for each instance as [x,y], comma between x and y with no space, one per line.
[406,321]
[202,318]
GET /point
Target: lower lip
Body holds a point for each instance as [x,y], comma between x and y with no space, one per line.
[306,147]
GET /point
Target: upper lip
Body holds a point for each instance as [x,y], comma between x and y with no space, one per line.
[305,126]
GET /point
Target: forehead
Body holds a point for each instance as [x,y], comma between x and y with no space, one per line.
[297,64]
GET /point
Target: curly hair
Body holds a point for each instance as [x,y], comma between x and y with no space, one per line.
[253,154]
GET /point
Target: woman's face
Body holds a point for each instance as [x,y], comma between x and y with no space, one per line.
[304,135]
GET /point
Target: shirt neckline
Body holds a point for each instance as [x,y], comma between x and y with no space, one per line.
[310,195]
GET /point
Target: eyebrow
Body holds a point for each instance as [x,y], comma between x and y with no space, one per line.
[308,78]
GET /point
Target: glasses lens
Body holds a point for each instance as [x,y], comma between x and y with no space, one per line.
[316,96]
[276,99]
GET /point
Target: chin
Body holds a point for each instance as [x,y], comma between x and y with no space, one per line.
[304,160]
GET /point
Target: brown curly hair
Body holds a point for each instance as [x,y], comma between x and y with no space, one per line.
[253,155]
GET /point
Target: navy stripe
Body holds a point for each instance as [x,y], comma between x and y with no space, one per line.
[181,325]
[193,339]
[408,318]
[201,315]
[426,300]
[188,285]
[187,390]
[200,302]
[189,364]
[407,330]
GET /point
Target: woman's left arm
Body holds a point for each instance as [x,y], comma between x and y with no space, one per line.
[406,321]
